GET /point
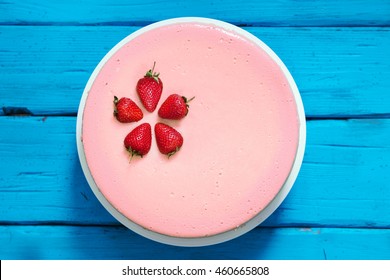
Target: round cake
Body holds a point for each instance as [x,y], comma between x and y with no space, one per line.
[243,135]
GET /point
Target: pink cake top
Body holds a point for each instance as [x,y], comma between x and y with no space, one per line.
[240,136]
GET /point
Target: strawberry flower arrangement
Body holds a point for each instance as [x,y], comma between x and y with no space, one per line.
[138,141]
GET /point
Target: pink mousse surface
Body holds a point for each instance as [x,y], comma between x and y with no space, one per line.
[240,136]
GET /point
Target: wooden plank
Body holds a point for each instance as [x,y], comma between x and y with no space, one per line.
[341,72]
[40,169]
[73,242]
[269,13]
[343,181]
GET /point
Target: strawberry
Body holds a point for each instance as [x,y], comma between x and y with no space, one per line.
[149,89]
[139,140]
[169,140]
[126,110]
[175,107]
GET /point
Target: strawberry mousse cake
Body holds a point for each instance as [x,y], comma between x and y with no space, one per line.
[242,132]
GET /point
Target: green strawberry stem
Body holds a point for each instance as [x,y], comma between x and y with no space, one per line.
[153,74]
[173,152]
[115,102]
[188,100]
[133,153]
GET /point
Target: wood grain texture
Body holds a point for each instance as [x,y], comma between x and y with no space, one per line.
[341,72]
[343,181]
[249,12]
[337,51]
[74,242]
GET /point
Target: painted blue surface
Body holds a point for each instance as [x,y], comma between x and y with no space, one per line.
[337,52]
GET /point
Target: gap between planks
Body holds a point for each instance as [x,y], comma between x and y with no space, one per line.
[304,227]
[25,112]
[145,23]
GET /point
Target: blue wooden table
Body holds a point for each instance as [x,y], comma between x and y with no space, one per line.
[338,53]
